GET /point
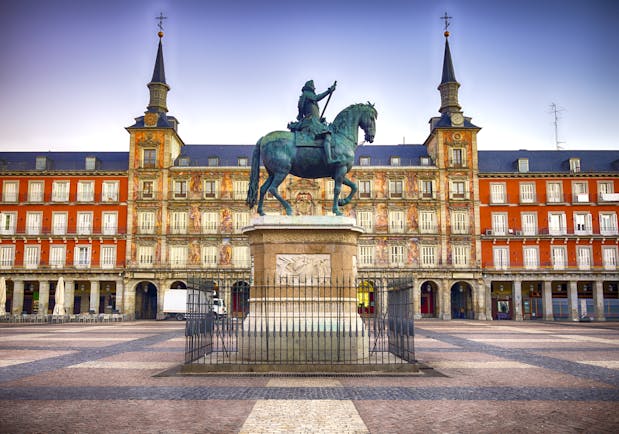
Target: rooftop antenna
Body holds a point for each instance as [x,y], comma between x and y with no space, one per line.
[555,110]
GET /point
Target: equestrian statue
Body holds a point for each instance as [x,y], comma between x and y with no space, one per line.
[311,149]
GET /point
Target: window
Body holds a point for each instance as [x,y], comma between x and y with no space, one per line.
[575,165]
[57,256]
[41,163]
[366,255]
[240,190]
[556,223]
[91,163]
[501,257]
[180,189]
[84,223]
[213,161]
[7,223]
[35,191]
[240,220]
[396,255]
[209,256]
[81,256]
[427,189]
[364,161]
[580,192]
[59,223]
[242,161]
[395,189]
[527,192]
[558,256]
[149,159]
[427,222]
[210,222]
[583,257]
[529,223]
[365,189]
[365,219]
[397,221]
[497,193]
[7,256]
[109,191]
[530,256]
[609,257]
[60,191]
[108,256]
[240,256]
[428,256]
[458,157]
[460,256]
[146,222]
[109,223]
[33,223]
[606,191]
[183,161]
[425,161]
[458,190]
[523,165]
[394,161]
[499,224]
[178,222]
[9,191]
[145,256]
[608,223]
[31,256]
[178,256]
[582,223]
[148,190]
[554,192]
[85,191]
[459,222]
[210,189]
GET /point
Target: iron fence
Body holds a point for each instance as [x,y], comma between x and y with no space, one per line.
[363,321]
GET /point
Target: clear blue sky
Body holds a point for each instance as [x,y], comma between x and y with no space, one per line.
[74,73]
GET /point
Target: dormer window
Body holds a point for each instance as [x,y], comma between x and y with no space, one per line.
[575,165]
[394,161]
[242,161]
[213,161]
[41,163]
[183,161]
[523,165]
[91,163]
[425,161]
[364,161]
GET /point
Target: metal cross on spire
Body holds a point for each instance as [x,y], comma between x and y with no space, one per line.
[446,18]
[161,18]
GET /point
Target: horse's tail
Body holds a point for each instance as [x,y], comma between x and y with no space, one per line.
[254,176]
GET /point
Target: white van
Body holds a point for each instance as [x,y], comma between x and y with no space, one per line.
[175,305]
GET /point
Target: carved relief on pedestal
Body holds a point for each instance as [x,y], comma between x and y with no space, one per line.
[303,268]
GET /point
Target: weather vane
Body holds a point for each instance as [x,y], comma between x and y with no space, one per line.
[447,23]
[160,25]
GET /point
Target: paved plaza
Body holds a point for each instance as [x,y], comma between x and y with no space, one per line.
[480,377]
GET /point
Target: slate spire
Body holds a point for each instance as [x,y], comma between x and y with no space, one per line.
[158,87]
[449,86]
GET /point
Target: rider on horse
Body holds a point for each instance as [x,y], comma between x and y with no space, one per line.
[309,120]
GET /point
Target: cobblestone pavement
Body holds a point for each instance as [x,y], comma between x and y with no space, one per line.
[485,377]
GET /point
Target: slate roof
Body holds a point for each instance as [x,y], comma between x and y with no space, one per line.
[64,161]
[548,161]
[159,71]
[448,68]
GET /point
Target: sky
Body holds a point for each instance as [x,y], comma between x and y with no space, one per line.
[73,73]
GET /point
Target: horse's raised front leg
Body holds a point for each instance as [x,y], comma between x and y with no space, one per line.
[278,178]
[263,191]
[353,190]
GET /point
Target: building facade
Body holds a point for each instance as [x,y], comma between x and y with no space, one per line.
[442,213]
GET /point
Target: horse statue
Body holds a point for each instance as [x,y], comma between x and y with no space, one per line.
[299,154]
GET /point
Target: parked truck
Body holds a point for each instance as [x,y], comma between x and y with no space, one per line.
[175,304]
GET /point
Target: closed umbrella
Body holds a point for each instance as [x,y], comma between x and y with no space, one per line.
[2,295]
[59,297]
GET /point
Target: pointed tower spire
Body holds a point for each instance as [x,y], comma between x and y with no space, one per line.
[449,86]
[157,86]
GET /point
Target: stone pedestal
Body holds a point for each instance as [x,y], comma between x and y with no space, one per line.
[303,300]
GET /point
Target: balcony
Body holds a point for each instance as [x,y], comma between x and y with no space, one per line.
[580,198]
[609,197]
[63,231]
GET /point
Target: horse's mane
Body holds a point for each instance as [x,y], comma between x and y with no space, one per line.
[342,120]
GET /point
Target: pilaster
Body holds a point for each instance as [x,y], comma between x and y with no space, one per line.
[94,296]
[69,296]
[572,300]
[43,297]
[598,300]
[517,297]
[547,301]
[18,297]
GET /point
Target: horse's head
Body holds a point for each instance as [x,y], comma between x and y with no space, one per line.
[367,121]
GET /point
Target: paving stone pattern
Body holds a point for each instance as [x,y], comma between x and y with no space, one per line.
[482,377]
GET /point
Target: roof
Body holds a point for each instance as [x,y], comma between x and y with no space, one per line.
[64,161]
[449,75]
[228,155]
[159,71]
[548,161]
